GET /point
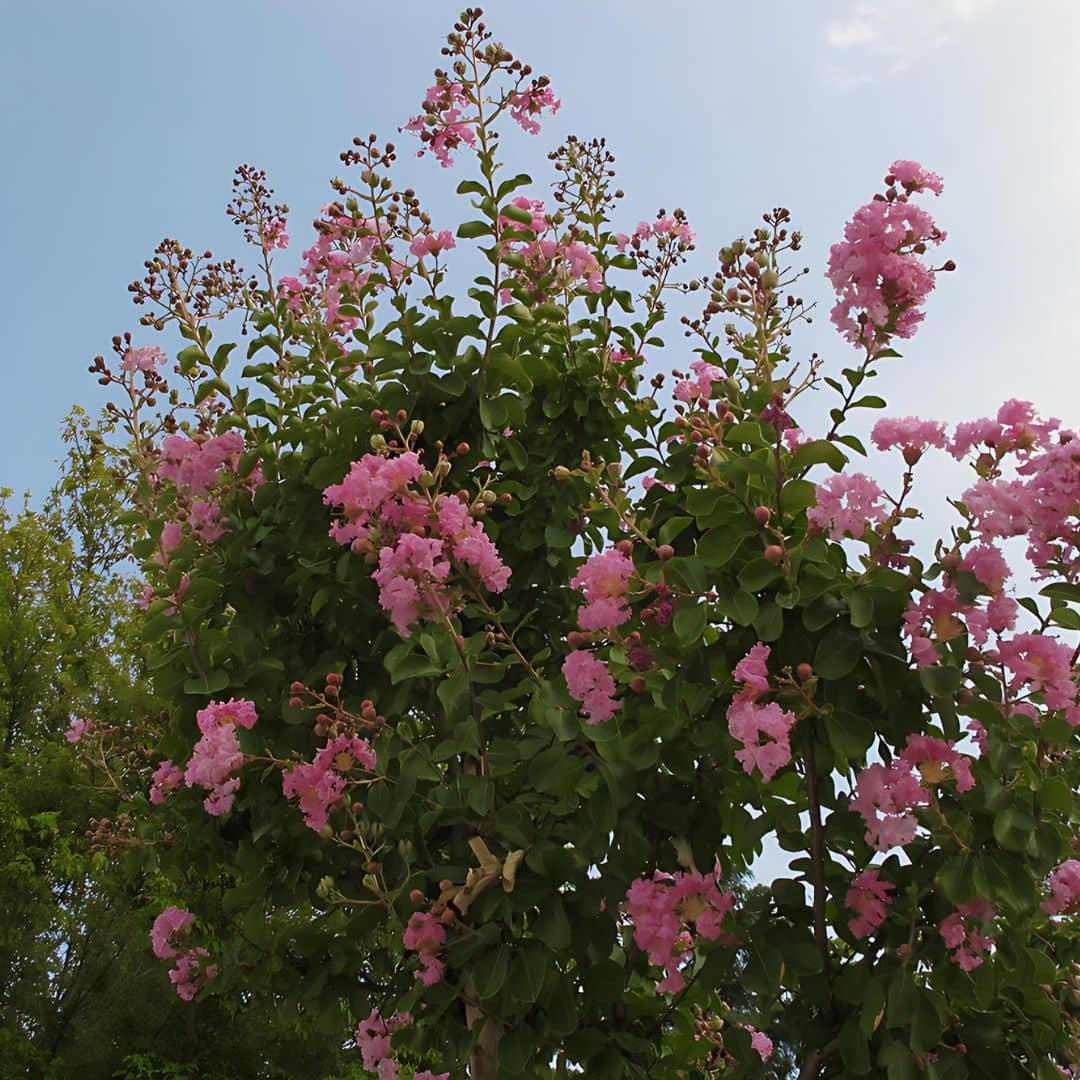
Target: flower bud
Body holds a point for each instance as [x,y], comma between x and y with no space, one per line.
[774,553]
[664,552]
[637,683]
[626,547]
[762,515]
[804,672]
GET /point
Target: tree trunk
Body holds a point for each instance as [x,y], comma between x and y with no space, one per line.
[484,1059]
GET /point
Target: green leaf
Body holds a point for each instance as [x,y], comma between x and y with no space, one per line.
[717,547]
[838,653]
[489,974]
[470,230]
[941,681]
[689,623]
[819,452]
[552,927]
[214,683]
[527,972]
[516,213]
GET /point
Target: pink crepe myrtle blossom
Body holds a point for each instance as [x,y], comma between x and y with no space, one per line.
[667,911]
[534,207]
[869,898]
[1039,663]
[170,927]
[700,388]
[604,579]
[419,542]
[526,105]
[912,175]
[274,235]
[217,754]
[443,126]
[77,728]
[880,281]
[760,1042]
[373,1040]
[409,578]
[146,358]
[764,731]
[794,437]
[432,243]
[203,521]
[1064,885]
[319,784]
[963,933]
[167,777]
[589,681]
[912,435]
[1017,426]
[937,761]
[649,481]
[847,504]
[752,671]
[195,467]
[426,935]
[988,566]
[884,797]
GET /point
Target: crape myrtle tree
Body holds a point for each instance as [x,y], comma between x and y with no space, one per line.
[490,673]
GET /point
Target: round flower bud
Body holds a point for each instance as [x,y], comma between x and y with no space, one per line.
[762,515]
[664,552]
[637,683]
[774,553]
[804,672]
[626,547]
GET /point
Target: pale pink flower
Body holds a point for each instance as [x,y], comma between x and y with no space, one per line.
[847,504]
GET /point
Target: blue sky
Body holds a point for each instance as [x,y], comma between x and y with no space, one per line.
[124,120]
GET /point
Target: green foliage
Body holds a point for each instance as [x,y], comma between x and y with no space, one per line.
[493,798]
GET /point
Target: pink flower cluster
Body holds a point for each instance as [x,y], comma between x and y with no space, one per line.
[77,728]
[847,504]
[146,358]
[1040,664]
[373,1037]
[605,580]
[191,972]
[196,467]
[962,933]
[526,105]
[760,1042]
[426,935]
[217,754]
[700,388]
[432,243]
[664,908]
[1065,889]
[412,537]
[763,729]
[869,898]
[550,264]
[442,126]
[320,783]
[885,795]
[665,227]
[940,616]
[911,434]
[877,273]
[1016,427]
[1042,501]
[336,266]
[167,777]
[589,681]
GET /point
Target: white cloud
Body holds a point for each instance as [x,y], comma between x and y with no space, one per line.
[882,38]
[857,32]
